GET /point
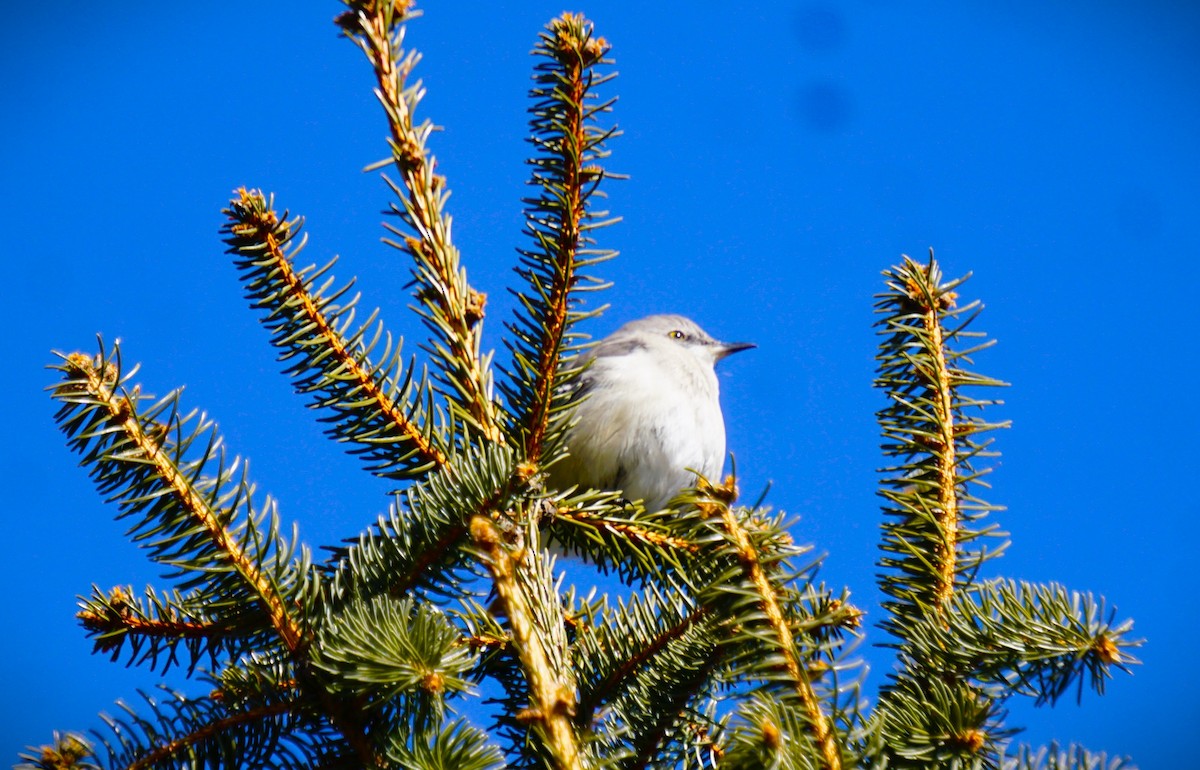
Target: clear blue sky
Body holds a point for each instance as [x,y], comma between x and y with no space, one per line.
[779,157]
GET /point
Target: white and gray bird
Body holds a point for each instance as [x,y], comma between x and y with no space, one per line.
[648,413]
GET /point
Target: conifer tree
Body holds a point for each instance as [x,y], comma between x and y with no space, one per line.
[725,651]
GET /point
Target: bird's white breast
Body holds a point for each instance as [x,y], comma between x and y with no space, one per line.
[656,415]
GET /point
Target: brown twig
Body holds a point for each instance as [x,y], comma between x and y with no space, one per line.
[625,530]
[576,51]
[719,504]
[945,446]
[262,228]
[552,702]
[459,306]
[122,412]
[169,749]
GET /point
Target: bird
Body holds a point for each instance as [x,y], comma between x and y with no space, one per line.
[647,413]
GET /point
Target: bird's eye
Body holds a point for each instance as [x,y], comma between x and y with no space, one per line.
[676,334]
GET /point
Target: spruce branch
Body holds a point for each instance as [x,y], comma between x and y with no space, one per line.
[610,663]
[381,648]
[188,746]
[195,513]
[159,624]
[928,428]
[600,522]
[376,406]
[551,698]
[183,731]
[931,720]
[451,309]
[715,502]
[639,546]
[646,677]
[769,733]
[932,711]
[569,145]
[417,549]
[1034,640]
[189,521]
[964,646]
[674,732]
[1072,757]
[67,751]
[460,747]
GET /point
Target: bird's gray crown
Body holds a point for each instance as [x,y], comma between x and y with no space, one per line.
[663,325]
[639,334]
[662,332]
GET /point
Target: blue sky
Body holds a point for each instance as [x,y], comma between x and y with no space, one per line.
[780,156]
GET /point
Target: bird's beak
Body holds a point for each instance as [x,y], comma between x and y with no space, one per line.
[729,348]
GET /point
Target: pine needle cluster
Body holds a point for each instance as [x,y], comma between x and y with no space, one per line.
[723,650]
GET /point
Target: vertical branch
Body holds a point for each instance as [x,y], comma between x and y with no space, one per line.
[569,145]
[452,310]
[718,502]
[930,507]
[934,702]
[551,702]
[570,52]
[945,446]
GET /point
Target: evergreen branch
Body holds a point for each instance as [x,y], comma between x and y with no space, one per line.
[622,528]
[552,701]
[451,309]
[822,620]
[569,145]
[717,502]
[197,513]
[647,674]
[380,648]
[498,662]
[945,551]
[672,549]
[624,643]
[1073,757]
[925,720]
[1031,639]
[928,427]
[112,622]
[488,631]
[459,747]
[651,743]
[337,729]
[375,406]
[419,570]
[158,625]
[254,679]
[638,545]
[767,732]
[417,548]
[344,729]
[134,458]
[170,751]
[715,574]
[826,628]
[67,751]
[195,732]
[930,302]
